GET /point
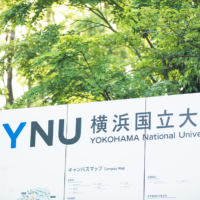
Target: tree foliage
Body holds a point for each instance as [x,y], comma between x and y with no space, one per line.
[114,49]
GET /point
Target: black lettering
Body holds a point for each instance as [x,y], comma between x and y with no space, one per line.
[104,139]
[111,138]
[77,134]
[47,138]
[151,137]
[195,134]
[129,138]
[181,136]
[187,134]
[136,138]
[117,138]
[166,136]
[97,140]
[123,138]
[92,140]
[145,137]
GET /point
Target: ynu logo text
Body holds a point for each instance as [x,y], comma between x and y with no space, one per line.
[48,138]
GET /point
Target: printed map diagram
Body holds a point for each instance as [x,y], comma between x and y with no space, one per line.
[36,194]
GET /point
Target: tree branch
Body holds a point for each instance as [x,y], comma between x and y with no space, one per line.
[102,17]
[90,22]
[90,28]
[107,98]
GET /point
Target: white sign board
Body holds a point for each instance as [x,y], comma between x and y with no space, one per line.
[128,149]
[108,161]
[31,172]
[172,148]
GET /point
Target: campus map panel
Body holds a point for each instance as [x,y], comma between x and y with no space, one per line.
[172,147]
[108,160]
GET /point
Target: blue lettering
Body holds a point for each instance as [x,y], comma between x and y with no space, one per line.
[14,136]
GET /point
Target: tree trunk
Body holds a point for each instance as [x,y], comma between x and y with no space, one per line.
[9,86]
[165,65]
[49,15]
[9,74]
[29,87]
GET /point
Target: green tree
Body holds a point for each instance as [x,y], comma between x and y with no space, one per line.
[158,40]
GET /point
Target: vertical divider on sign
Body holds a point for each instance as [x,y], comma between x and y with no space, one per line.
[65,154]
[144,152]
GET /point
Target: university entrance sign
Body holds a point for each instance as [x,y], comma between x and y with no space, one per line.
[140,149]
